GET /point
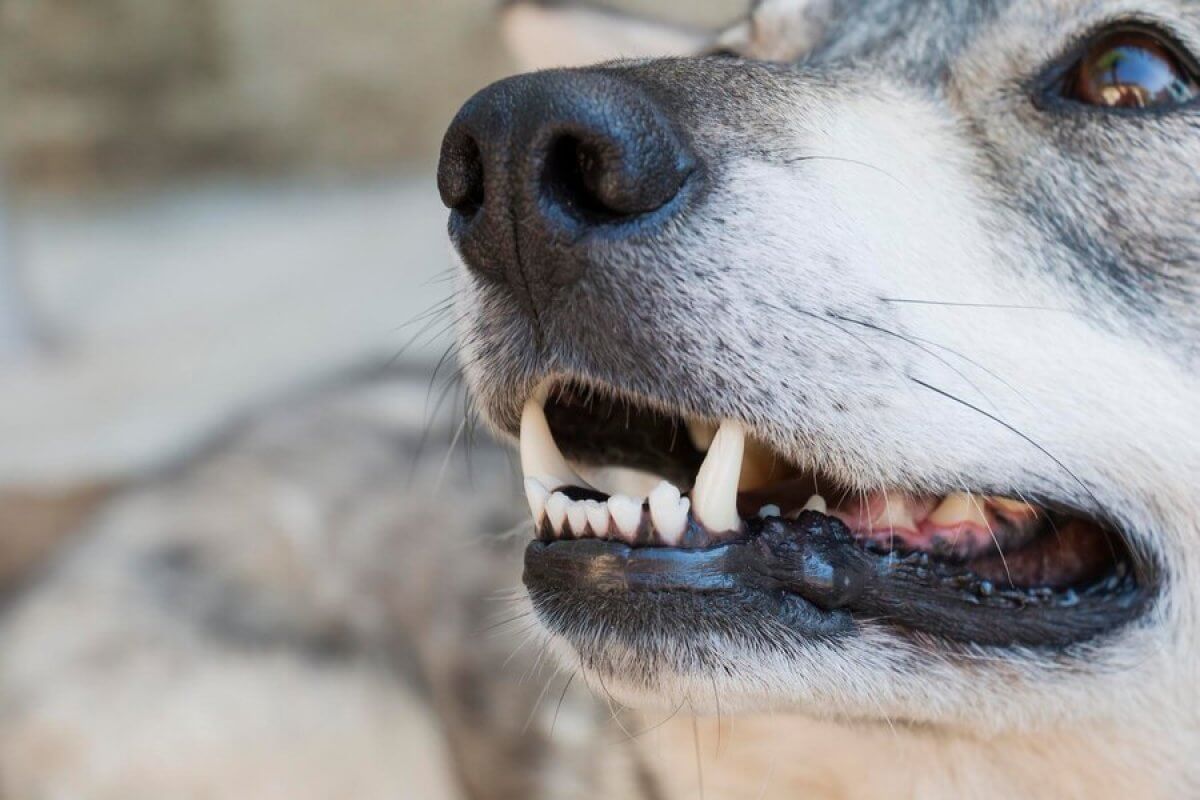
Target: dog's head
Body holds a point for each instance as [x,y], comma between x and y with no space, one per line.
[902,296]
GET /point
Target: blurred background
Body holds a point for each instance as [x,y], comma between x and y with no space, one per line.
[210,211]
[208,204]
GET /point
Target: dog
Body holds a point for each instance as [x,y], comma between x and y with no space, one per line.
[839,294]
[852,356]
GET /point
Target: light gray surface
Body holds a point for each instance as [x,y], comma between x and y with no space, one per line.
[174,311]
[16,328]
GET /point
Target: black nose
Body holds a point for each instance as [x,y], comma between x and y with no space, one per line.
[533,166]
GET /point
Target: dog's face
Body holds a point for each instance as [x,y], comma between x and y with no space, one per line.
[916,278]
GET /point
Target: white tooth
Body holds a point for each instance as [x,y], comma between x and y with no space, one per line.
[597,516]
[577,516]
[540,456]
[701,434]
[675,523]
[556,510]
[770,511]
[626,515]
[816,503]
[537,495]
[714,496]
[669,513]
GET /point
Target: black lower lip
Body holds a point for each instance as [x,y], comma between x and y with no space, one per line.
[815,559]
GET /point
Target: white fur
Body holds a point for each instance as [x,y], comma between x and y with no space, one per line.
[894,194]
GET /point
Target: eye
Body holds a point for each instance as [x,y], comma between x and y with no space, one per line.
[1131,68]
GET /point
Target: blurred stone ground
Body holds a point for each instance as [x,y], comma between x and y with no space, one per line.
[213,204]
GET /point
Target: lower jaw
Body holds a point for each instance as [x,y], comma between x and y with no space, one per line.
[814,577]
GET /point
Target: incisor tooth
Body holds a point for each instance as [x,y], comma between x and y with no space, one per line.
[714,496]
[956,509]
[537,495]
[577,516]
[668,512]
[597,515]
[768,511]
[626,515]
[556,510]
[540,456]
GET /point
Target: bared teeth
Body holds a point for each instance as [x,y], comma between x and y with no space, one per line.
[669,513]
[626,515]
[958,509]
[540,456]
[714,496]
[1013,508]
[556,510]
[768,511]
[577,517]
[537,495]
[895,514]
[816,503]
[597,517]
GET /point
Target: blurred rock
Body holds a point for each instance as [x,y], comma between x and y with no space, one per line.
[33,522]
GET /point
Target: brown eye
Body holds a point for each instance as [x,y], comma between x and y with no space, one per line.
[1131,69]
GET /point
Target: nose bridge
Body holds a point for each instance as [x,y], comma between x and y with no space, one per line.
[534,165]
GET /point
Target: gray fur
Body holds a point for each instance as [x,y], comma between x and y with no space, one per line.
[904,265]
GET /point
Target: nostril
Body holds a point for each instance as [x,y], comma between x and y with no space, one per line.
[574,178]
[461,175]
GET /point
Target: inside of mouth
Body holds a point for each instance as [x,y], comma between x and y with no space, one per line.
[646,479]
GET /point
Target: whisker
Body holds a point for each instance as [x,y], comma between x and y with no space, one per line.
[561,698]
[926,350]
[917,302]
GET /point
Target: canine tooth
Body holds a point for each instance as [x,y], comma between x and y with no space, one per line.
[577,516]
[537,495]
[770,511]
[701,434]
[816,503]
[669,513]
[597,517]
[714,496]
[540,456]
[956,509]
[626,515]
[556,510]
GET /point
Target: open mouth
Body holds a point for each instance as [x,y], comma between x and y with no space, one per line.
[626,499]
